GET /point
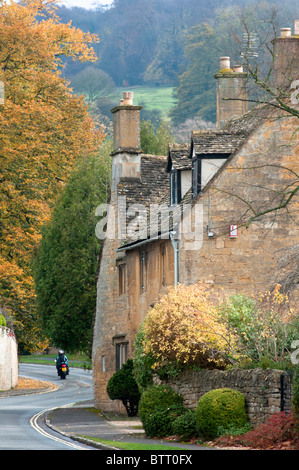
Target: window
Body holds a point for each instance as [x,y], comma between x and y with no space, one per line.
[121,279]
[172,188]
[121,354]
[143,271]
[175,187]
[209,167]
[204,167]
[103,364]
[162,266]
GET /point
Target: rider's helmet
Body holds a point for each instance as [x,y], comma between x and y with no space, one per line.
[60,351]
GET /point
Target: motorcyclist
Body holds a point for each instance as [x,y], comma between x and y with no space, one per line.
[62,359]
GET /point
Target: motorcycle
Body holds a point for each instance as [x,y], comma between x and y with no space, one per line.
[63,371]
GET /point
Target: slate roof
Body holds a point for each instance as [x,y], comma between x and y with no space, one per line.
[153,185]
[178,157]
[216,142]
[152,188]
[249,121]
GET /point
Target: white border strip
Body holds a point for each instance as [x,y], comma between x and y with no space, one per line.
[34,424]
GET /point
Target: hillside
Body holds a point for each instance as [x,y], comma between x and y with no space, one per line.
[173,44]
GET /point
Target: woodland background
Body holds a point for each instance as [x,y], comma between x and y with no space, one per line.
[171,46]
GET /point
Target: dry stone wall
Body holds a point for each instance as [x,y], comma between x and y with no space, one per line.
[266,391]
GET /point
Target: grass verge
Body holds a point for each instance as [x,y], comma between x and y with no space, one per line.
[133,446]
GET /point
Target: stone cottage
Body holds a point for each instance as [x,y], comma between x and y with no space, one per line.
[212,211]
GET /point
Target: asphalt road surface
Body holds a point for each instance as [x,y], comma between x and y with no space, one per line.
[21,426]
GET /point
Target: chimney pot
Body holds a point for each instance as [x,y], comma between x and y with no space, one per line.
[296,27]
[128,98]
[238,68]
[224,63]
[285,32]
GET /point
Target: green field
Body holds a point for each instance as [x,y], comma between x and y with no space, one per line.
[160,98]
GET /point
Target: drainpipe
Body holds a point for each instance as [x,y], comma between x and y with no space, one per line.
[175,245]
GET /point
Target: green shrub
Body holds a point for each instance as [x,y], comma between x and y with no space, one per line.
[2,320]
[185,425]
[122,386]
[231,430]
[159,422]
[142,370]
[159,406]
[222,407]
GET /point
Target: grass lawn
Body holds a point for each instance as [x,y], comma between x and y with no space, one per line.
[133,446]
[160,98]
[76,360]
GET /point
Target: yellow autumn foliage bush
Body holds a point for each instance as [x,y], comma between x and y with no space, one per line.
[184,328]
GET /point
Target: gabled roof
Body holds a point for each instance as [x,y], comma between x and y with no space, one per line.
[215,142]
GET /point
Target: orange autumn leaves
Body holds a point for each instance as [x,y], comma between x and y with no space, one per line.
[44,130]
[184,328]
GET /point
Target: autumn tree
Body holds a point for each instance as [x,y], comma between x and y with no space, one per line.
[44,130]
[183,329]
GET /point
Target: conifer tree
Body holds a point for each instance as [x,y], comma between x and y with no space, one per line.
[65,267]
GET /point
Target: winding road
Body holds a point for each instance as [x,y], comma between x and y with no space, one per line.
[20,426]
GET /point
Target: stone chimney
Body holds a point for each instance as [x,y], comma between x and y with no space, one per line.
[286,51]
[231,93]
[126,128]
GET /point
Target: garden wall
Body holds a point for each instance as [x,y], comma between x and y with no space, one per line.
[8,359]
[266,391]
